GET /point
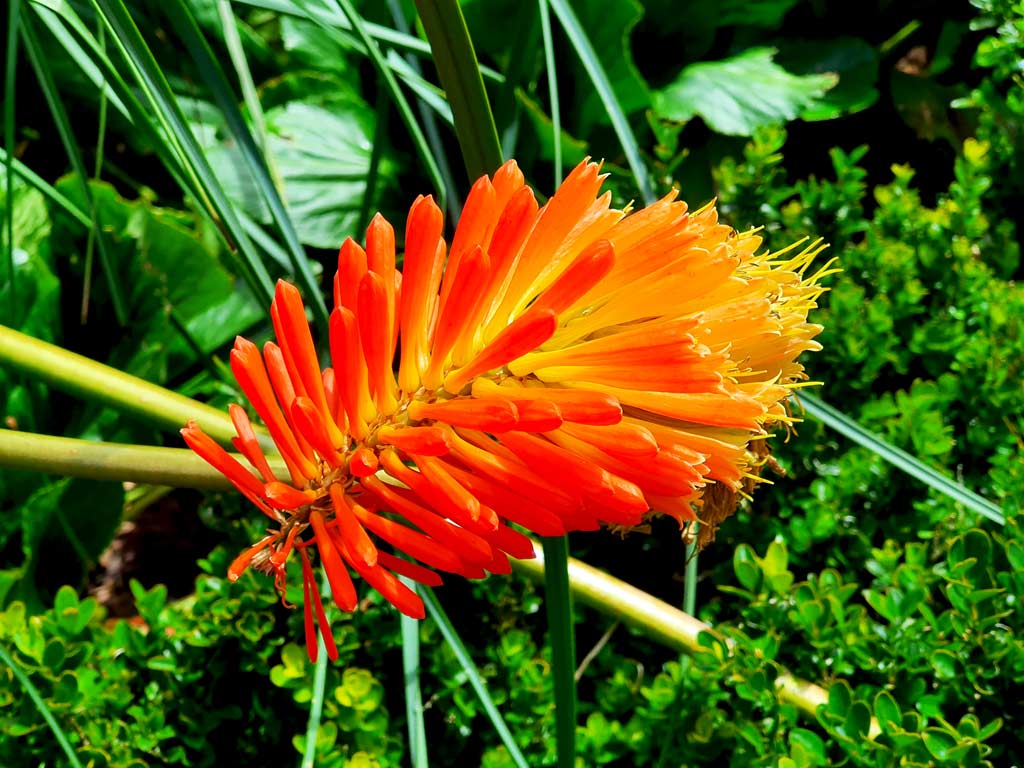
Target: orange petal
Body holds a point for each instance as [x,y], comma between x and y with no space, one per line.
[310,424]
[240,563]
[510,505]
[351,268]
[296,340]
[277,369]
[467,545]
[363,462]
[227,465]
[284,496]
[524,335]
[419,291]
[246,442]
[375,336]
[347,356]
[427,441]
[623,441]
[419,546]
[538,416]
[247,365]
[586,271]
[488,415]
[456,313]
[385,582]
[460,506]
[318,606]
[343,590]
[359,545]
[417,573]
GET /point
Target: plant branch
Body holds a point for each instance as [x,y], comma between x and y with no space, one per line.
[78,375]
[68,456]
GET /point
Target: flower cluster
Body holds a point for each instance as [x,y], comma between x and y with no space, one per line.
[559,367]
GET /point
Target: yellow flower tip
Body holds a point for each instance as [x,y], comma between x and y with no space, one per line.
[559,367]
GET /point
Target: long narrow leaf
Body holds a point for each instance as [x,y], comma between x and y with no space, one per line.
[404,111]
[316,702]
[10,79]
[48,190]
[413,695]
[44,710]
[839,421]
[424,102]
[556,107]
[38,59]
[175,127]
[592,64]
[460,77]
[437,613]
[397,39]
[188,30]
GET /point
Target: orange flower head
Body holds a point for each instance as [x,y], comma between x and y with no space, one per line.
[560,366]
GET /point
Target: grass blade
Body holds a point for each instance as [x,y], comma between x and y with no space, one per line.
[44,710]
[425,99]
[37,57]
[562,637]
[316,702]
[404,110]
[436,612]
[413,696]
[592,64]
[556,108]
[899,458]
[10,79]
[399,39]
[47,189]
[186,27]
[176,130]
[460,77]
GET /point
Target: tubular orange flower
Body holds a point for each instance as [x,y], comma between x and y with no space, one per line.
[572,365]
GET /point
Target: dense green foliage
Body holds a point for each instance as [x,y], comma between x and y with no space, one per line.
[899,141]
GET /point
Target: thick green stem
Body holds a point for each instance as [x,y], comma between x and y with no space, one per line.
[562,637]
[178,467]
[90,380]
[459,71]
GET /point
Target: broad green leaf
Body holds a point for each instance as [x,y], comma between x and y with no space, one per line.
[851,59]
[573,149]
[65,526]
[737,95]
[323,153]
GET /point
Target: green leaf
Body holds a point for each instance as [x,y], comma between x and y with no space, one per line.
[887,712]
[735,96]
[938,742]
[323,152]
[609,26]
[854,61]
[65,527]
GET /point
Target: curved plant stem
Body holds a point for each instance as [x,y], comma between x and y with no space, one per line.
[459,71]
[558,599]
[88,379]
[112,461]
[661,622]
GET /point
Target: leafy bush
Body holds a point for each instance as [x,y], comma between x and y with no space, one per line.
[901,147]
